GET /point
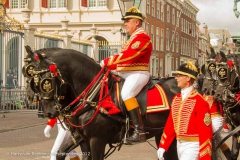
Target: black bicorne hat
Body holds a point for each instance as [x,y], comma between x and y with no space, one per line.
[133,12]
[188,69]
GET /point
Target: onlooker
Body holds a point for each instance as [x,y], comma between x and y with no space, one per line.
[9,78]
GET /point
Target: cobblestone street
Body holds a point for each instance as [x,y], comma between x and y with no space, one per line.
[22,138]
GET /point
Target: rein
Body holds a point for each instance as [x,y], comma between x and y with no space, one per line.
[85,94]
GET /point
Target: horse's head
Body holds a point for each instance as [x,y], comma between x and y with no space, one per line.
[35,70]
[30,62]
[209,71]
[227,79]
[59,76]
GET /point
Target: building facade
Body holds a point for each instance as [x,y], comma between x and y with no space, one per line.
[171,24]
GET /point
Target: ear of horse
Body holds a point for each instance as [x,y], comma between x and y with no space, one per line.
[223,57]
[29,50]
[213,54]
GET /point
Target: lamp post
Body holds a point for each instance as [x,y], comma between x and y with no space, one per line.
[125,4]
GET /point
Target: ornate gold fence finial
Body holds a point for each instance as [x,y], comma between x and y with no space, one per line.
[2,2]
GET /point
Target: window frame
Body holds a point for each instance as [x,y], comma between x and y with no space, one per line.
[47,4]
[20,4]
[97,4]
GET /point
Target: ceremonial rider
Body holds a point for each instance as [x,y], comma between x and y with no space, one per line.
[189,120]
[132,65]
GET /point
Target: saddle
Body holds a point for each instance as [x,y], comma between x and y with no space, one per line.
[152,97]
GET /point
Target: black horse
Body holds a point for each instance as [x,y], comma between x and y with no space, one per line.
[227,91]
[207,83]
[68,84]
[208,76]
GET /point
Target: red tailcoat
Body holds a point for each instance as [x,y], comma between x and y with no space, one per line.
[189,120]
[135,54]
[52,122]
[215,107]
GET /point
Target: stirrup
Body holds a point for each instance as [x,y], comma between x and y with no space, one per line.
[136,138]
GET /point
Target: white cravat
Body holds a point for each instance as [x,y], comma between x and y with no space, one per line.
[186,91]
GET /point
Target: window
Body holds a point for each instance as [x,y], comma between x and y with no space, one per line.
[152,37]
[154,66]
[148,6]
[97,3]
[162,12]
[167,40]
[182,46]
[172,63]
[177,42]
[147,28]
[161,67]
[172,41]
[17,4]
[168,13]
[158,10]
[178,17]
[54,4]
[162,40]
[157,39]
[176,66]
[173,16]
[193,55]
[182,25]
[153,8]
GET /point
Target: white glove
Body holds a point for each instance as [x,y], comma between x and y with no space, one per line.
[102,63]
[160,153]
[47,131]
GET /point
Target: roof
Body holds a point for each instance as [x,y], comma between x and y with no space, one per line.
[221,31]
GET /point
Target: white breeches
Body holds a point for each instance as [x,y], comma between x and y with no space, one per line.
[134,82]
[217,122]
[62,138]
[188,150]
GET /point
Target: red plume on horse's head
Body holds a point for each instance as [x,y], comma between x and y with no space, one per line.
[53,68]
[230,64]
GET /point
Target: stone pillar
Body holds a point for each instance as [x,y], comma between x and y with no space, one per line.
[94,52]
[67,41]
[37,5]
[29,39]
[115,5]
[76,5]
[66,38]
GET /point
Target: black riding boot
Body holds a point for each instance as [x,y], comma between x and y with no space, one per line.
[138,133]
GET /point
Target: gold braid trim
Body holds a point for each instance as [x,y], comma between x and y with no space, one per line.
[206,143]
[206,151]
[164,136]
[191,66]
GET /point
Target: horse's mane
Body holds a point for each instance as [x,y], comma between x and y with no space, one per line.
[55,51]
[47,51]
